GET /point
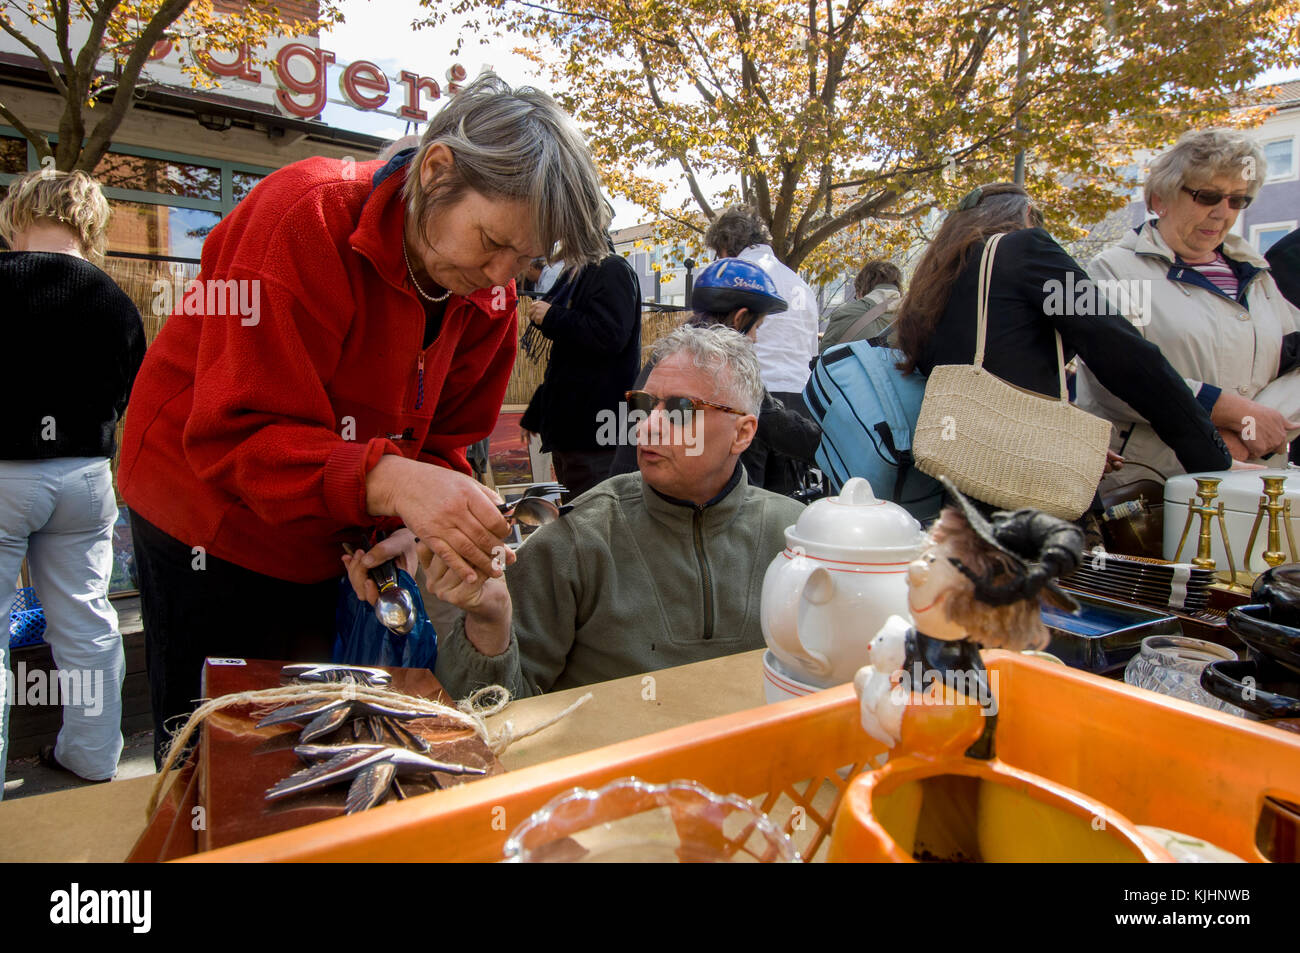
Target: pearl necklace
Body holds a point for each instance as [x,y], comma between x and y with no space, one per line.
[411,271]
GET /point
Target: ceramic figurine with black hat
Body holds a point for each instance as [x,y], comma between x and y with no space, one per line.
[944,795]
[978,584]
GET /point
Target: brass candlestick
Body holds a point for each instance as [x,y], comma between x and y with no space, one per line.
[1207,488]
[1278,510]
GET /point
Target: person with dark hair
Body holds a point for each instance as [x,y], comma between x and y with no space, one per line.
[787,341]
[1029,306]
[876,292]
[1284,258]
[738,294]
[593,324]
[377,344]
[57,506]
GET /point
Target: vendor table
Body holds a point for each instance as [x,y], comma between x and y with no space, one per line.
[101,822]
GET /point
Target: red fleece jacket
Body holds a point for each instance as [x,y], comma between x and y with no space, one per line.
[253,440]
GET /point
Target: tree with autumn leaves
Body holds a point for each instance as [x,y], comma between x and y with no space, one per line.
[102,50]
[846,122]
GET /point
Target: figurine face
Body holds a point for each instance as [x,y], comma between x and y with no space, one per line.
[931,579]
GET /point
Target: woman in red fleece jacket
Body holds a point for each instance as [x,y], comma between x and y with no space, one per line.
[350,332]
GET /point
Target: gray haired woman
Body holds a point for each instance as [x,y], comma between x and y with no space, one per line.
[1208,301]
[373,340]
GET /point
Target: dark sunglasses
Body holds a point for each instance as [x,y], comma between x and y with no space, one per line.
[685,406]
[1211,197]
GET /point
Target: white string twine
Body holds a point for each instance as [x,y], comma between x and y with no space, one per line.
[470,713]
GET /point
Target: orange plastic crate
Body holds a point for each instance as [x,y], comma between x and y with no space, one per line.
[1156,760]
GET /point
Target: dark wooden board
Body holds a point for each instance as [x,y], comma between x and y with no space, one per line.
[238,762]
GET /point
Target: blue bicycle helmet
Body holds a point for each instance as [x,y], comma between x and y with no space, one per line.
[731,283]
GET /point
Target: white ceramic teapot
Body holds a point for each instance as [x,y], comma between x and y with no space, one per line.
[842,574]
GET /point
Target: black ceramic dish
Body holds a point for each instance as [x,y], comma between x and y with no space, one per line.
[1273,690]
[1252,625]
[1279,589]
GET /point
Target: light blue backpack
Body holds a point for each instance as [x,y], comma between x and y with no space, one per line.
[867,410]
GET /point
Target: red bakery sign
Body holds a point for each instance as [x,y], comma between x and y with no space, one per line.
[301,74]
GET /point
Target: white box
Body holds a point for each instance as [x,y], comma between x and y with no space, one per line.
[1240,491]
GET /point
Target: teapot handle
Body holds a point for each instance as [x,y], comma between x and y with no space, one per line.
[811,586]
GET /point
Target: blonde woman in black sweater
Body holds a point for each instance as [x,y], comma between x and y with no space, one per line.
[81,341]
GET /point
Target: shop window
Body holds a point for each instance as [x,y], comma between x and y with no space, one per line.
[146,229]
[160,176]
[243,183]
[13,155]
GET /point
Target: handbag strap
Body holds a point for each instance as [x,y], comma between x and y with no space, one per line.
[981,314]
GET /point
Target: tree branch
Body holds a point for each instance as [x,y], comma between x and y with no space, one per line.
[55,79]
[691,181]
[31,135]
[123,98]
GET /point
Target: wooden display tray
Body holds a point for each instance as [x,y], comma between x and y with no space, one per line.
[218,798]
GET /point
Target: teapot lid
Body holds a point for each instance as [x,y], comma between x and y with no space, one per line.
[857,520]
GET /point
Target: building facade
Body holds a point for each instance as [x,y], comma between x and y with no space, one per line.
[184,156]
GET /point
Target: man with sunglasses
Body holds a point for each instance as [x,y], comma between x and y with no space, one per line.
[1209,301]
[738,294]
[649,570]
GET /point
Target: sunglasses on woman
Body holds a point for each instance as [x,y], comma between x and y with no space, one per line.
[685,407]
[1212,197]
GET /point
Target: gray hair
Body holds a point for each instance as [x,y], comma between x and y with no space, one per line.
[735,230]
[724,354]
[1204,154]
[518,145]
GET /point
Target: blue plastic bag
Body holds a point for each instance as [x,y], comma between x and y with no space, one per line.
[361,639]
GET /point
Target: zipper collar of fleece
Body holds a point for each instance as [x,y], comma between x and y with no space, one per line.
[719,510]
[378,236]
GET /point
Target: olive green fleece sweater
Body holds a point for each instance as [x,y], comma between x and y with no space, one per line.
[629,582]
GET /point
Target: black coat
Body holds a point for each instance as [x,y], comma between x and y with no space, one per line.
[1021,344]
[1284,262]
[594,324]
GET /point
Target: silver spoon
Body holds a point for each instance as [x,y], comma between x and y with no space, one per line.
[530,511]
[394,608]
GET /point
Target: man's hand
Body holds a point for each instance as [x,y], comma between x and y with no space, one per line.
[453,515]
[537,310]
[1113,462]
[401,545]
[486,604]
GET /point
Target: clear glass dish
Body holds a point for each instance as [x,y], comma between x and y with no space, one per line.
[1171,665]
[632,821]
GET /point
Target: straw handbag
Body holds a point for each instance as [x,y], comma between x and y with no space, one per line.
[1005,445]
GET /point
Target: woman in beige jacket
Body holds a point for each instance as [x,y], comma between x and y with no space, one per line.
[1208,301]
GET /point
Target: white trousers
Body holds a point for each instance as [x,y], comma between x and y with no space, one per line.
[60,514]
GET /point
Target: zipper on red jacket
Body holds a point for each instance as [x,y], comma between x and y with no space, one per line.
[419,382]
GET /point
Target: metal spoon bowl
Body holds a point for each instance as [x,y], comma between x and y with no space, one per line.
[396,610]
[530,511]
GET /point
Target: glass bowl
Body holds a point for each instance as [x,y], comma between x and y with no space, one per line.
[1171,665]
[632,821]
